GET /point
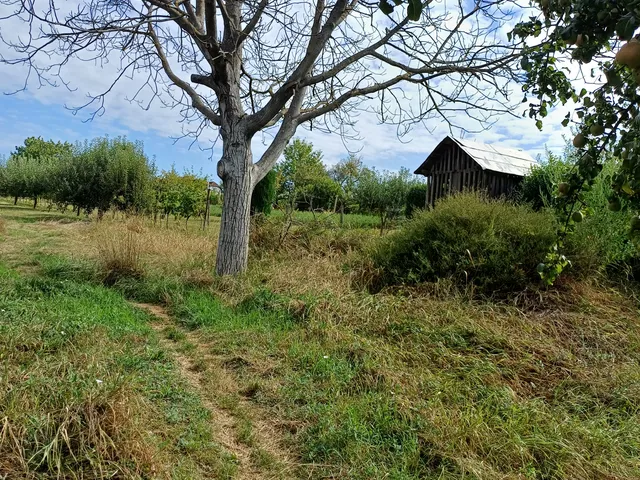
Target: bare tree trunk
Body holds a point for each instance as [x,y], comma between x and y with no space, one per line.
[15,200]
[35,202]
[235,170]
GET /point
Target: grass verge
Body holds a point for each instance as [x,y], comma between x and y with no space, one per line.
[88,393]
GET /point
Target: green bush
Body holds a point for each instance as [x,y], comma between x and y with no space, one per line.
[602,239]
[264,194]
[492,245]
[538,189]
[416,199]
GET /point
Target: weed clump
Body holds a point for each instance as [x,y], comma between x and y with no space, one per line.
[492,246]
[120,257]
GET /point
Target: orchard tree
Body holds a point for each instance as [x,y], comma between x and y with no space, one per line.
[600,43]
[347,173]
[246,66]
[300,174]
[384,194]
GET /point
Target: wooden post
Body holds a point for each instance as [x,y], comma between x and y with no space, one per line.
[205,220]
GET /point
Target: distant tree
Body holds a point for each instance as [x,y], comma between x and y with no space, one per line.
[31,168]
[106,173]
[28,177]
[301,176]
[36,147]
[182,196]
[192,196]
[384,194]
[416,198]
[346,174]
[264,194]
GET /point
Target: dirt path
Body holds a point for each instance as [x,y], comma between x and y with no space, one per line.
[239,425]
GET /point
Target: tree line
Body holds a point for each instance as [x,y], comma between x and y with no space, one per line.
[100,175]
[115,174]
[303,182]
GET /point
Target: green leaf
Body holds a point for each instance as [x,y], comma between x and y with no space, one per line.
[626,26]
[385,7]
[565,122]
[539,124]
[414,10]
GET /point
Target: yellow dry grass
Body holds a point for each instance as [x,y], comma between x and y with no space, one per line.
[155,249]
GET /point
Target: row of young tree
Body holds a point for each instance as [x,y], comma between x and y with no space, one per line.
[104,174]
[303,182]
[100,175]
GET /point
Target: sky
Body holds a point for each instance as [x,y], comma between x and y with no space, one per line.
[44,111]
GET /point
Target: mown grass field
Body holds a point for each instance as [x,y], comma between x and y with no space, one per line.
[289,371]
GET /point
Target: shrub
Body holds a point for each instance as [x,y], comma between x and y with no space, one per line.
[492,245]
[264,194]
[539,187]
[416,199]
[602,239]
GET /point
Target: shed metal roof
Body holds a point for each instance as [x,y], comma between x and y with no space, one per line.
[511,161]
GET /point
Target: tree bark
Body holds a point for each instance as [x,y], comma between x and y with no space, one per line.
[35,202]
[235,170]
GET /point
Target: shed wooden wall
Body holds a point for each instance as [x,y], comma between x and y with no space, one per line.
[454,171]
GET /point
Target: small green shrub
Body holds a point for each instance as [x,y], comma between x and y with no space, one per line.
[492,245]
[416,199]
[264,195]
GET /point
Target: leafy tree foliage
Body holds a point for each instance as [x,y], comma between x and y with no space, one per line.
[30,170]
[106,173]
[181,195]
[264,194]
[303,181]
[36,147]
[347,174]
[603,36]
[384,194]
[416,198]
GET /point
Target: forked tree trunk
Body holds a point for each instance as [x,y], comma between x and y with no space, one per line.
[235,171]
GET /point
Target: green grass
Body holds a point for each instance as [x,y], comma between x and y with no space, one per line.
[87,392]
[351,220]
[441,395]
[397,385]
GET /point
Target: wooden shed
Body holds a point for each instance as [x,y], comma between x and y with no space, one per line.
[456,165]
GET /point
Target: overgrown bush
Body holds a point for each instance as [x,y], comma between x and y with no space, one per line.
[491,245]
[264,194]
[416,199]
[539,188]
[602,240]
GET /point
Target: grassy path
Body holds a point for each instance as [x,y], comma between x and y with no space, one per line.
[240,427]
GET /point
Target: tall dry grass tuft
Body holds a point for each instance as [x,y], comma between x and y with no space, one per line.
[3,226]
[154,250]
[119,255]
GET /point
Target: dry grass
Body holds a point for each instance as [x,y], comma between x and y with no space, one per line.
[135,247]
[3,226]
